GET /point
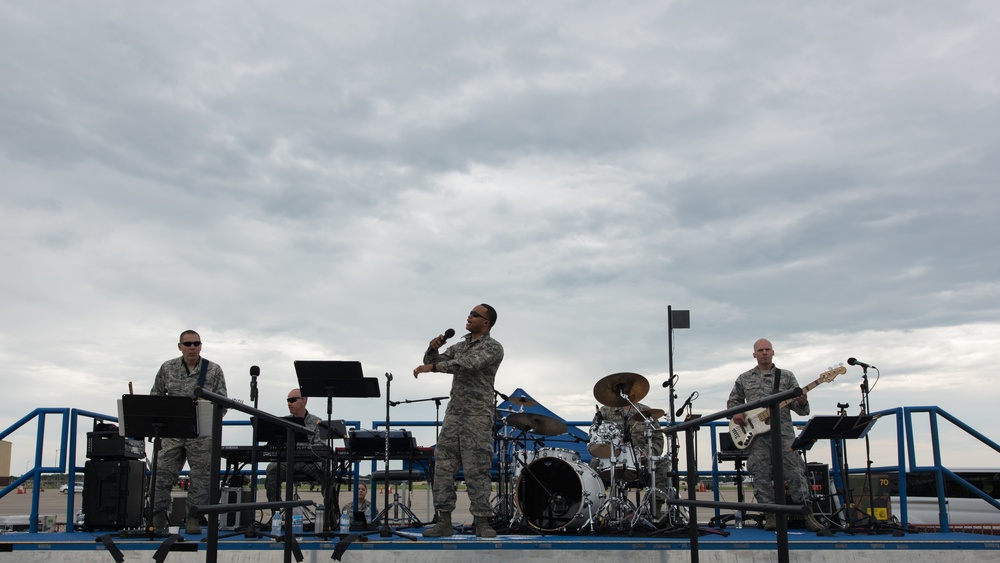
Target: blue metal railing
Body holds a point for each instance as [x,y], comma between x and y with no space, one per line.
[940,472]
[904,432]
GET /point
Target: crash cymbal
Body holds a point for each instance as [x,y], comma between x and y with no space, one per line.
[610,388]
[537,423]
[522,401]
[648,413]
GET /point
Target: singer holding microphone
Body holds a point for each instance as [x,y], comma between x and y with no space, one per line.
[466,438]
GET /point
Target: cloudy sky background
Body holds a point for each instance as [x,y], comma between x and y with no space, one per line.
[344,181]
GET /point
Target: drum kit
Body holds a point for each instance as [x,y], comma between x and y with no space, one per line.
[552,490]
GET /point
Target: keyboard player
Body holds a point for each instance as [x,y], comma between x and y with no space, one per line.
[312,470]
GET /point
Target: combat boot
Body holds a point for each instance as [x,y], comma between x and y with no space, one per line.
[771,522]
[483,528]
[812,524]
[442,528]
[192,525]
[161,525]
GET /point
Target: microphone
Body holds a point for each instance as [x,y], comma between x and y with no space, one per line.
[671,381]
[855,362]
[598,417]
[444,338]
[680,411]
[254,372]
[501,395]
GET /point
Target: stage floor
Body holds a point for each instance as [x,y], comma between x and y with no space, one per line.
[747,544]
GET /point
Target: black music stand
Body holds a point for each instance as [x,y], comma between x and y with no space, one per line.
[156,417]
[333,378]
[729,452]
[836,428]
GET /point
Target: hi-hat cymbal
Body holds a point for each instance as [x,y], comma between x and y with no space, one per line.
[610,388]
[537,423]
[648,413]
[522,401]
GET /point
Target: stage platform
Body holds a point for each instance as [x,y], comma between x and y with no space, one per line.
[747,544]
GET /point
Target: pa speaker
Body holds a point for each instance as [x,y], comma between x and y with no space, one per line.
[113,494]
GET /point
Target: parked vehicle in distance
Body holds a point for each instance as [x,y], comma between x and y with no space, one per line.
[64,488]
[963,507]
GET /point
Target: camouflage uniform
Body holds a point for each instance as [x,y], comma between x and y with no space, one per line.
[637,435]
[365,506]
[751,386]
[175,379]
[466,438]
[311,469]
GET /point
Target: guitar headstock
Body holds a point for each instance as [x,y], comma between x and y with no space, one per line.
[831,373]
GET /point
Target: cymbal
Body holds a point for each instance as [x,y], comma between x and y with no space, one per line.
[522,401]
[648,413]
[633,385]
[537,423]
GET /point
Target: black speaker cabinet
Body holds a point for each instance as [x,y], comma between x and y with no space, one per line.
[113,494]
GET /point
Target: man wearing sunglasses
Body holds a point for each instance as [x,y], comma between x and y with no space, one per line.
[305,470]
[179,377]
[466,438]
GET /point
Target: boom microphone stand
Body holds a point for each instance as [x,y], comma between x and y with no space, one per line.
[386,531]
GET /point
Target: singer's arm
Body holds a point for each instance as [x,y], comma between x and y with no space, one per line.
[432,356]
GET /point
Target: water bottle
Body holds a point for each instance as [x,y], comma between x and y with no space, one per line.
[276,522]
[345,521]
[297,520]
[319,526]
[80,517]
[737,518]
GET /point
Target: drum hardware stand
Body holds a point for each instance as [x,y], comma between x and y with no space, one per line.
[504,509]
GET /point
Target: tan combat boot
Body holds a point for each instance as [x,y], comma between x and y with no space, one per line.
[483,528]
[443,527]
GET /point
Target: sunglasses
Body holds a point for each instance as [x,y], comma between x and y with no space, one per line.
[476,315]
[189,344]
[293,399]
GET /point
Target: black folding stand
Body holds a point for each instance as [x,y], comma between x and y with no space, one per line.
[156,417]
[837,428]
[343,379]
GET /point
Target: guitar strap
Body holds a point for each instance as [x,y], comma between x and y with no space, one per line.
[204,370]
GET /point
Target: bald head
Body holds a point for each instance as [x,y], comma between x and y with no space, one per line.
[764,354]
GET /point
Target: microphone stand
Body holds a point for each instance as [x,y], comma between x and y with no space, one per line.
[437,410]
[254,372]
[672,438]
[386,531]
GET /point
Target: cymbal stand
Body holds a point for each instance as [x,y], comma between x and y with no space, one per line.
[503,504]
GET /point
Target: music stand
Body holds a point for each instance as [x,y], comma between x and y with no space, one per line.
[158,416]
[836,428]
[333,378]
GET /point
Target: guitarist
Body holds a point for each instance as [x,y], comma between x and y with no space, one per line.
[756,384]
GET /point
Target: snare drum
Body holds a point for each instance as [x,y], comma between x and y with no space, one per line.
[627,465]
[605,438]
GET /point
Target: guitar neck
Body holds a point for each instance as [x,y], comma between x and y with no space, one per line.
[805,389]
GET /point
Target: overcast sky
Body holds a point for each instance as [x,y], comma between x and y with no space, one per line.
[345,180]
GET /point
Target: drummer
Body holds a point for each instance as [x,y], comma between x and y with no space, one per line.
[637,434]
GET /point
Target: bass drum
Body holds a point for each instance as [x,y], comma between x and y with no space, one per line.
[555,495]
